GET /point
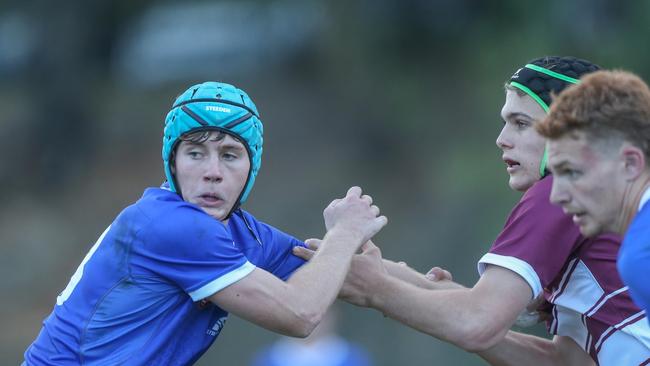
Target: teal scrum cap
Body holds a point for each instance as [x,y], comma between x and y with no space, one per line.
[219,107]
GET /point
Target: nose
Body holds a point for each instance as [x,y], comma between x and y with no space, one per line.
[503,142]
[559,194]
[213,172]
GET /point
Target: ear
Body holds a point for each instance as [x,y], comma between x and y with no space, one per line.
[634,161]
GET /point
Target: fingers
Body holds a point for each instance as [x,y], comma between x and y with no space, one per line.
[354,191]
[369,248]
[367,199]
[374,209]
[333,203]
[303,252]
[313,244]
[355,212]
[381,221]
[438,274]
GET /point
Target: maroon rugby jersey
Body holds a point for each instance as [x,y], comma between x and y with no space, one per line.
[578,277]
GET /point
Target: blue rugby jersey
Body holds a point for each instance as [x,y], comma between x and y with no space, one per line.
[136,297]
[634,256]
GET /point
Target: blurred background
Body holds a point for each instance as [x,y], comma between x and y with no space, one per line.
[400,97]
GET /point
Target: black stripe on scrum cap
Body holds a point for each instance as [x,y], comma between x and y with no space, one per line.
[540,84]
[543,84]
[224,101]
[195,116]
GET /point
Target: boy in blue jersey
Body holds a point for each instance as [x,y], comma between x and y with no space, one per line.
[599,152]
[157,286]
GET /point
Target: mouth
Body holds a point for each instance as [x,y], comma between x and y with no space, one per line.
[577,217]
[210,199]
[510,164]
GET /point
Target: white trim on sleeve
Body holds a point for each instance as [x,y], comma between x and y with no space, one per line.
[222,282]
[516,265]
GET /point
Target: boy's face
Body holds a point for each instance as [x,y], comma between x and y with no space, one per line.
[588,182]
[212,174]
[522,146]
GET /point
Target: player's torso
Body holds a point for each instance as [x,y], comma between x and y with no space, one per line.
[116,308]
[593,307]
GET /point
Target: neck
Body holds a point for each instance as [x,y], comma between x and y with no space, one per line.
[631,200]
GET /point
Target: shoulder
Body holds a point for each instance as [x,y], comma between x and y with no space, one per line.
[172,219]
[265,245]
[638,234]
[265,232]
[640,222]
[536,206]
[540,192]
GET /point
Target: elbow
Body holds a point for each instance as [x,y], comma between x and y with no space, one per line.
[304,324]
[477,344]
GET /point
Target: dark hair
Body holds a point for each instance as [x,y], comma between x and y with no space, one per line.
[604,105]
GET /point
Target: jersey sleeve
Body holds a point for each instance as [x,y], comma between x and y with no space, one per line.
[278,256]
[536,240]
[634,258]
[195,251]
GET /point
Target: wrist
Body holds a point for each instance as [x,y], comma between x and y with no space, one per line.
[378,291]
[343,237]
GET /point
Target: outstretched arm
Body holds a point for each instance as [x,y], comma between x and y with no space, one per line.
[436,279]
[474,319]
[513,349]
[295,307]
[523,349]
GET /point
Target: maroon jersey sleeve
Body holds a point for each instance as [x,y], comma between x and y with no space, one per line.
[536,240]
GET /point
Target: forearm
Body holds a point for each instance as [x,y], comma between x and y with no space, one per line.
[521,349]
[408,274]
[329,266]
[294,307]
[457,316]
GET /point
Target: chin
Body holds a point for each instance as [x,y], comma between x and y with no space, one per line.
[519,184]
[216,214]
[590,231]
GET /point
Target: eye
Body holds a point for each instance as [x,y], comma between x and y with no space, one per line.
[521,124]
[229,156]
[195,154]
[570,173]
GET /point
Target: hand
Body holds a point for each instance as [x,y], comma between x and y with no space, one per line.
[354,214]
[365,271]
[307,253]
[365,275]
[439,274]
